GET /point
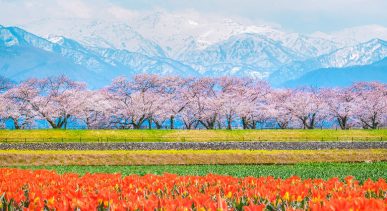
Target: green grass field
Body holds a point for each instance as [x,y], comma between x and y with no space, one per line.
[361,171]
[190,135]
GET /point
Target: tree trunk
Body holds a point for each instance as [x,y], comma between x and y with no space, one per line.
[137,125]
[65,124]
[308,122]
[211,124]
[172,122]
[282,125]
[53,125]
[228,123]
[16,123]
[374,122]
[219,125]
[187,126]
[150,123]
[158,124]
[343,122]
[195,124]
[244,122]
[254,125]
[304,123]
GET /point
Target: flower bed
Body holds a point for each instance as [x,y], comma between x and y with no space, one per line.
[46,189]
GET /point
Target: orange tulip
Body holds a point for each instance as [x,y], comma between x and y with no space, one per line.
[69,191]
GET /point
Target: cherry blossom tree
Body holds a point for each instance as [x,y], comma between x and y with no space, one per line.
[307,106]
[253,106]
[54,99]
[168,100]
[15,110]
[133,102]
[371,104]
[162,110]
[202,97]
[228,108]
[94,109]
[196,102]
[189,117]
[279,108]
[231,89]
[340,104]
[172,91]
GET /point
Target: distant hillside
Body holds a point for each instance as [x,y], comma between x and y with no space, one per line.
[332,77]
[24,55]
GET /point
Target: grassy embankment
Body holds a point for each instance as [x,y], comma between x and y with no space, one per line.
[185,157]
[190,135]
[360,171]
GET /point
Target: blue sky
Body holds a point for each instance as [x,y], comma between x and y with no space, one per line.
[296,15]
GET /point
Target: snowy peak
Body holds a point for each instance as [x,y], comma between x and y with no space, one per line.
[376,42]
[7,38]
[172,35]
[66,43]
[360,54]
[245,47]
[27,55]
[227,28]
[192,44]
[103,34]
[247,54]
[60,40]
[309,46]
[14,36]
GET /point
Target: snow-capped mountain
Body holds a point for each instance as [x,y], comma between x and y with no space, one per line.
[360,54]
[173,35]
[182,44]
[104,34]
[180,33]
[219,46]
[260,53]
[24,55]
[144,64]
[309,46]
[336,77]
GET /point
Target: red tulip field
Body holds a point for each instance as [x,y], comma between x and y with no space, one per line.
[47,190]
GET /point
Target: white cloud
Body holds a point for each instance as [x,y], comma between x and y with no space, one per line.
[75,8]
[300,15]
[121,13]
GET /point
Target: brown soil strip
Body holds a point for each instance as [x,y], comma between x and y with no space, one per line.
[187,158]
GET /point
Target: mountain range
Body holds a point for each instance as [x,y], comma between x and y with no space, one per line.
[159,43]
[331,77]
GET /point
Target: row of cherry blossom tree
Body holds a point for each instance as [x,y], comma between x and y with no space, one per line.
[151,101]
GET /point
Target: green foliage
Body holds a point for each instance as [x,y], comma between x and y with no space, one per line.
[360,171]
